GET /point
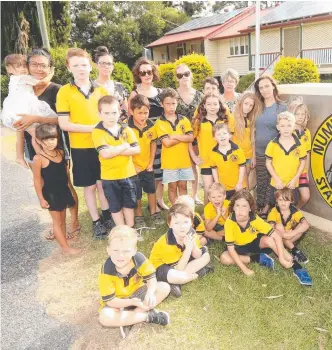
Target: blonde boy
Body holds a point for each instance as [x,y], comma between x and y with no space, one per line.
[127,284]
[285,155]
[216,212]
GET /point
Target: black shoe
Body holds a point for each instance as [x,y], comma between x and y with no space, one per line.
[109,224]
[99,230]
[300,257]
[125,330]
[175,290]
[205,270]
[158,317]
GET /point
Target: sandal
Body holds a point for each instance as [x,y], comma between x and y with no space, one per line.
[50,236]
[73,234]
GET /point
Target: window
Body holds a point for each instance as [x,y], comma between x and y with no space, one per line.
[193,48]
[238,46]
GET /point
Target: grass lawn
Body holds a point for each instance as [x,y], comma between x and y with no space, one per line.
[224,310]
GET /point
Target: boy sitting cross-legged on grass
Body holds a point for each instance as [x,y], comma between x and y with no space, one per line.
[198,223]
[116,144]
[246,233]
[289,222]
[128,286]
[178,255]
[146,134]
[216,212]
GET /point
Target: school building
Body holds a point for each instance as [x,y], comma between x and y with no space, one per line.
[294,28]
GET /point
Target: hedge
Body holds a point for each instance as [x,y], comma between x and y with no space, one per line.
[245,82]
[167,76]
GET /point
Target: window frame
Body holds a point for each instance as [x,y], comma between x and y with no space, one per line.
[237,45]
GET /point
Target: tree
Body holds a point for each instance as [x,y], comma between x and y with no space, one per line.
[124,27]
[190,8]
[218,6]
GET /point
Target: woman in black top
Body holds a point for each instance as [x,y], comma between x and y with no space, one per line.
[40,65]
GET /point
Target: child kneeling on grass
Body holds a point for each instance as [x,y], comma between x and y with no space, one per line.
[128,286]
[290,222]
[246,233]
[178,255]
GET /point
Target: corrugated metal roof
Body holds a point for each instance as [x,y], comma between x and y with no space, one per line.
[204,22]
[292,10]
[181,37]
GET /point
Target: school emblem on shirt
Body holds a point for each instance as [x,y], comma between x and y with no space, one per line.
[136,278]
[234,158]
[305,138]
[321,160]
[149,135]
[182,128]
[124,136]
[252,230]
[297,153]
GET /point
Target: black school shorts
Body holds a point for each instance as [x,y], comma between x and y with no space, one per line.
[145,182]
[86,166]
[206,171]
[252,247]
[120,193]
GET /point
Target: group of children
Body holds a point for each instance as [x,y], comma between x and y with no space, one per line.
[121,155]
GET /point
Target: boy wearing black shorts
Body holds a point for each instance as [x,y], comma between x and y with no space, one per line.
[146,134]
[116,144]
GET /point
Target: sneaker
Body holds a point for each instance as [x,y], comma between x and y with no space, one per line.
[139,222]
[158,219]
[303,277]
[125,330]
[158,317]
[205,270]
[109,224]
[175,290]
[266,261]
[300,257]
[99,230]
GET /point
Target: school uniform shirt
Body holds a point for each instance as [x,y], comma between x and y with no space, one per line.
[295,217]
[198,224]
[305,139]
[167,251]
[113,285]
[175,157]
[144,136]
[244,142]
[237,235]
[228,165]
[285,163]
[205,140]
[119,167]
[81,108]
[210,212]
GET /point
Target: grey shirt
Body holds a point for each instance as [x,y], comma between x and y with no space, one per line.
[266,127]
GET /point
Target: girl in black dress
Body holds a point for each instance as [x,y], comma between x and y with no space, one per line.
[50,175]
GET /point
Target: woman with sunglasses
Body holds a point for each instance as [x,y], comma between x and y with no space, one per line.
[105,65]
[189,99]
[230,79]
[145,73]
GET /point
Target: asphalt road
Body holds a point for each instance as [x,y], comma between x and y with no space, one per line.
[24,323]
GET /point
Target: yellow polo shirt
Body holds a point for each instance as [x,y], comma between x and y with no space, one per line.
[237,235]
[244,142]
[295,217]
[175,157]
[210,212]
[144,136]
[167,251]
[285,163]
[228,165]
[305,139]
[205,140]
[82,109]
[113,285]
[119,167]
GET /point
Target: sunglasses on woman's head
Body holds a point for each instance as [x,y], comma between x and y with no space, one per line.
[144,73]
[181,75]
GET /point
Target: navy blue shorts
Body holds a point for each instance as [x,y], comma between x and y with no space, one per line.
[206,171]
[145,182]
[120,193]
[218,228]
[252,247]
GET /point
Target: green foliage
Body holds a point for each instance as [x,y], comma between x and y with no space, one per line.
[200,67]
[245,82]
[291,70]
[124,27]
[167,76]
[122,74]
[4,87]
